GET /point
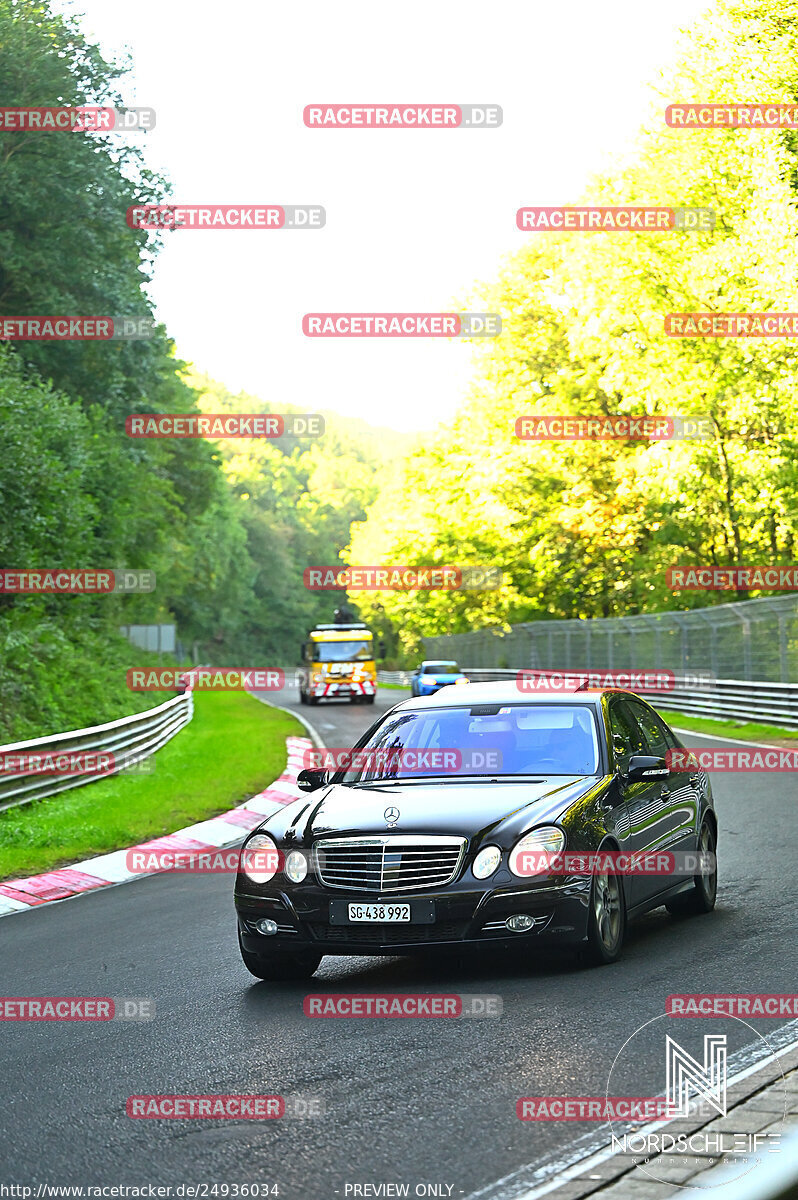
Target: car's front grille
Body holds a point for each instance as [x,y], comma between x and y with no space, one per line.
[391,863]
[390,935]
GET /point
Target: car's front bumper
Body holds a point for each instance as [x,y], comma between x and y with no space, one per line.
[464,917]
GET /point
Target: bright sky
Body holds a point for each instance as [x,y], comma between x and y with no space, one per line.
[414,218]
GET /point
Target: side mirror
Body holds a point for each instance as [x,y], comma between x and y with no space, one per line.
[311,779]
[646,767]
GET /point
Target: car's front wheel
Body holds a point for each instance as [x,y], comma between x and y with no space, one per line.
[606,922]
[701,899]
[279,964]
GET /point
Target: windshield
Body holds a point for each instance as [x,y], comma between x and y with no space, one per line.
[502,742]
[342,651]
[445,668]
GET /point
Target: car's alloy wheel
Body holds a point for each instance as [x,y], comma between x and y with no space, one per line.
[606,922]
[280,964]
[705,887]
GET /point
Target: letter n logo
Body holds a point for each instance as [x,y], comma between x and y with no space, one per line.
[684,1074]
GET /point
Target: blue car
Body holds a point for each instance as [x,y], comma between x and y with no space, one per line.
[432,675]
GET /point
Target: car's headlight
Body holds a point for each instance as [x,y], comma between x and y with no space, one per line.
[296,866]
[548,839]
[486,862]
[463,680]
[260,858]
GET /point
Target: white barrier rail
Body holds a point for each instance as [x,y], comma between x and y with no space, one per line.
[129,740]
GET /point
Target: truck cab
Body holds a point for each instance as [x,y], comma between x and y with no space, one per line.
[338,661]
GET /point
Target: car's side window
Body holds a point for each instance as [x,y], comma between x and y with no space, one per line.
[626,737]
[653,730]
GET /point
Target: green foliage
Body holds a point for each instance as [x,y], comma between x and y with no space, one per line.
[588,529]
[584,529]
[227,533]
[296,500]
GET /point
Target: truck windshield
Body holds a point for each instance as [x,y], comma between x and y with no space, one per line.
[342,651]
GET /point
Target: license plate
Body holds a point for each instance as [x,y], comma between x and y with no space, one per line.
[383,913]
[414,912]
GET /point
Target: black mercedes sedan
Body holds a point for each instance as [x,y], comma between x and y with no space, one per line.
[482,817]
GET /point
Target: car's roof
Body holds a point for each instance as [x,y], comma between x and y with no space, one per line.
[506,691]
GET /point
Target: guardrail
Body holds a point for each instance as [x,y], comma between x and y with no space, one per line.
[129,740]
[742,699]
[400,677]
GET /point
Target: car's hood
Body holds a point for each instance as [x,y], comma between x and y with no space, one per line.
[441,677]
[467,809]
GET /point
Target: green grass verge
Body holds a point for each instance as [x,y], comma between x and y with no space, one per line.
[233,748]
[746,730]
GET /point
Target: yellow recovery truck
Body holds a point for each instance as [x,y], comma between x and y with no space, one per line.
[338,660]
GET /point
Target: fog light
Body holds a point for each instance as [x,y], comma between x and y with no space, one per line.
[520,922]
[266,926]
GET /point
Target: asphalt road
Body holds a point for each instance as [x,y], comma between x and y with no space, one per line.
[407,1101]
